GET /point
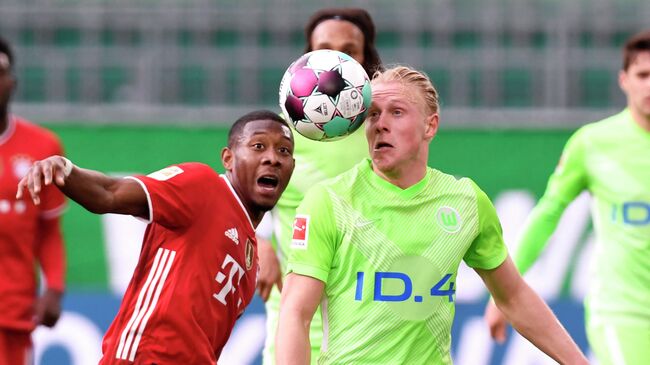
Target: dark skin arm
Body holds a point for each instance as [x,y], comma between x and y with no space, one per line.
[51,256]
[96,192]
[48,308]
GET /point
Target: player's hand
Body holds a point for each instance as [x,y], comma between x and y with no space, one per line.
[42,173]
[48,308]
[270,273]
[496,321]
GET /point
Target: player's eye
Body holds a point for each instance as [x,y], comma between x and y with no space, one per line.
[285,150]
[398,112]
[258,146]
[373,114]
[350,51]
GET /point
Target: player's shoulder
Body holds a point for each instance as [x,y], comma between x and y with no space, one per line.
[198,167]
[603,128]
[342,185]
[443,181]
[347,179]
[34,132]
[186,171]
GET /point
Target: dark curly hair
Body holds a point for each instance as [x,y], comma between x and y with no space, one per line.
[362,20]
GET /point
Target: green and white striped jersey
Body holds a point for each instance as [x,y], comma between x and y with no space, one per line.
[389,259]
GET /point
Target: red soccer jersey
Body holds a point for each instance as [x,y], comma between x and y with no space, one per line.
[196,272]
[21,144]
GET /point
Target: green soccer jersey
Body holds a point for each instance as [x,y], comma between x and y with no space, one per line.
[315,161]
[389,259]
[610,159]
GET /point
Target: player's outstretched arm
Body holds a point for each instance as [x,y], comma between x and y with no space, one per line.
[529,315]
[91,189]
[300,298]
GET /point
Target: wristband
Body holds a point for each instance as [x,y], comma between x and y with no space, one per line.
[67,166]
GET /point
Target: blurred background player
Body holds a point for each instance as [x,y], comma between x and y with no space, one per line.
[384,243]
[352,31]
[198,264]
[611,160]
[29,234]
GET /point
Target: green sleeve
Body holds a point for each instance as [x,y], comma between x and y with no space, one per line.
[488,249]
[568,180]
[313,257]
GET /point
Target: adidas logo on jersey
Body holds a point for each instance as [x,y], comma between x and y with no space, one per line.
[233,235]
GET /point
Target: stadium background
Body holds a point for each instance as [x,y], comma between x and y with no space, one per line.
[132,86]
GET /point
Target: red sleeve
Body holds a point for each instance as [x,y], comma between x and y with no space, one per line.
[51,254]
[176,193]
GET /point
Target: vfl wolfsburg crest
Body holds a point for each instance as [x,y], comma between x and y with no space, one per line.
[448,219]
[250,251]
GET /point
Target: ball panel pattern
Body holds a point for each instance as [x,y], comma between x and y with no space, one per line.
[325,95]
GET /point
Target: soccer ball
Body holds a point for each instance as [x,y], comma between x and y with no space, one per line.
[325,94]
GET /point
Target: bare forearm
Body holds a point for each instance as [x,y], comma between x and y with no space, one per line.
[292,340]
[534,320]
[300,299]
[529,314]
[90,189]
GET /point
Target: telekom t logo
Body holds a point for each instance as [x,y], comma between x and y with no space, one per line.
[236,272]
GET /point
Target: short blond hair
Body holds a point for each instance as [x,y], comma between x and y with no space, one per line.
[411,77]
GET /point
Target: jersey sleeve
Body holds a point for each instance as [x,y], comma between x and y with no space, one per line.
[52,199]
[488,250]
[176,194]
[50,252]
[315,236]
[567,182]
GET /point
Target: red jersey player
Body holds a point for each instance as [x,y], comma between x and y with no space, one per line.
[198,265]
[28,233]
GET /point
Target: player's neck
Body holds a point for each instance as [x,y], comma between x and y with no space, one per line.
[402,179]
[641,119]
[4,120]
[253,213]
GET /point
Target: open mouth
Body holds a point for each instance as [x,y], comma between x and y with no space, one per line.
[268,181]
[382,145]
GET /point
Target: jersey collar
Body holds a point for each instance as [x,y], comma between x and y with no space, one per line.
[241,205]
[407,193]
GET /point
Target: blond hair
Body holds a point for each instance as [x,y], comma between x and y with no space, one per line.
[411,78]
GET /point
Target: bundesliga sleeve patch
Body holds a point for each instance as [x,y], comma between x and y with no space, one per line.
[166,173]
[300,232]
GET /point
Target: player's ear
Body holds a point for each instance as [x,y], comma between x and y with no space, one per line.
[622,80]
[226,158]
[431,127]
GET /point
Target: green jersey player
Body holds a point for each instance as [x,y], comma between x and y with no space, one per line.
[379,248]
[610,159]
[352,31]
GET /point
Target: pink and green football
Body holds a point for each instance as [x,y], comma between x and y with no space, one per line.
[325,94]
